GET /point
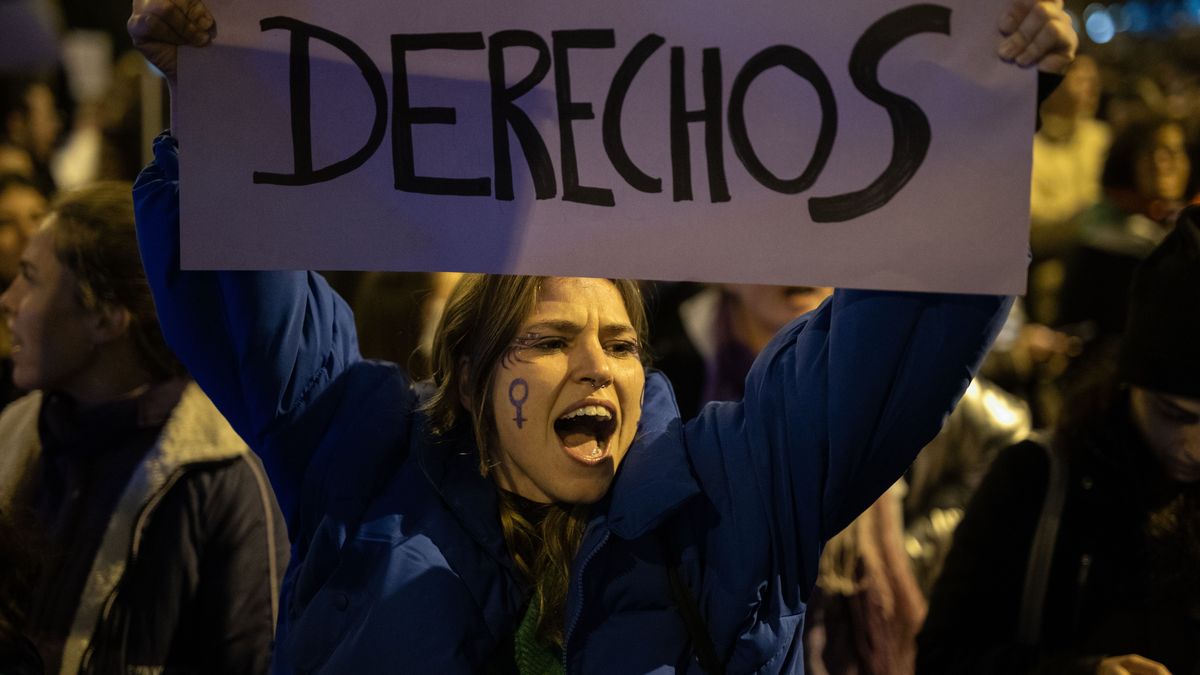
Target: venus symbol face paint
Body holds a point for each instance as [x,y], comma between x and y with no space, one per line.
[518,393]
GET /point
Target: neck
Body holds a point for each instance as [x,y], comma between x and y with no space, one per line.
[115,373]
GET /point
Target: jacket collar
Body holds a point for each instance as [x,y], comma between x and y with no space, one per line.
[451,464]
[654,480]
[656,477]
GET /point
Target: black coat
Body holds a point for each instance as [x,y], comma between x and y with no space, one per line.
[1113,589]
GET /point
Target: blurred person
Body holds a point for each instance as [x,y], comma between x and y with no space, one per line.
[22,207]
[163,541]
[706,337]
[547,493]
[1068,154]
[1135,98]
[15,159]
[29,119]
[1147,179]
[867,606]
[1081,553]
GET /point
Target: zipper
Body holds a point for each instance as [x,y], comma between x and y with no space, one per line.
[578,592]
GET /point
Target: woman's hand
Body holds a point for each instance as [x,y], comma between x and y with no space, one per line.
[1038,32]
[158,27]
[1130,664]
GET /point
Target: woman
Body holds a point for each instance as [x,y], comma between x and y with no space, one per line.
[544,508]
[1147,178]
[161,539]
[22,207]
[1114,586]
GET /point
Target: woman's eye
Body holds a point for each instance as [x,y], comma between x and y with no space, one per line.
[623,348]
[550,344]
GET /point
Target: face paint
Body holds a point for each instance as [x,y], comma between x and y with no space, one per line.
[518,400]
[519,344]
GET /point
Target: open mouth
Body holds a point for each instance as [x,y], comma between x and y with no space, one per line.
[586,431]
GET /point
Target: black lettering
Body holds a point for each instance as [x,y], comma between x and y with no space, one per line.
[910,128]
[301,103]
[610,125]
[710,115]
[569,110]
[803,65]
[404,116]
[506,114]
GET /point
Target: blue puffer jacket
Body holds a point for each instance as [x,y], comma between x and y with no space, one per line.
[399,564]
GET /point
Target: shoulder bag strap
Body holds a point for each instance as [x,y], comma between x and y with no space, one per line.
[1041,553]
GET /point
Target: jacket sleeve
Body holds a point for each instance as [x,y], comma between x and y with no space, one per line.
[264,346]
[836,407]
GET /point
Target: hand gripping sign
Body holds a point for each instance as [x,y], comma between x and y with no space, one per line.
[869,144]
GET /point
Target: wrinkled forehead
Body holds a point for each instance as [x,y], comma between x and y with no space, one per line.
[579,300]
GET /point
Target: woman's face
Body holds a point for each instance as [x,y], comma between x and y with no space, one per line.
[52,336]
[567,396]
[21,211]
[1163,169]
[1170,425]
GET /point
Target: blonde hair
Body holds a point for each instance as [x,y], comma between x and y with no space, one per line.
[480,321]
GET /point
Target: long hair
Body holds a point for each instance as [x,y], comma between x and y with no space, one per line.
[94,238]
[1120,167]
[481,319]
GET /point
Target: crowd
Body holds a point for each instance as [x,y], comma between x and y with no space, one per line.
[369,472]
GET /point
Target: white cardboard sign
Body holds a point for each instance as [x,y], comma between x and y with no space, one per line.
[871,144]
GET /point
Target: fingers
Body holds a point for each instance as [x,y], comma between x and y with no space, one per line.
[177,22]
[1131,664]
[1038,32]
[1014,15]
[1051,41]
[1140,665]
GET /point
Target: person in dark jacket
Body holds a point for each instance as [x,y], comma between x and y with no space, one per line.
[162,545]
[1082,554]
[541,507]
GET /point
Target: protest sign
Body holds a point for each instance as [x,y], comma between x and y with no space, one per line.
[872,143]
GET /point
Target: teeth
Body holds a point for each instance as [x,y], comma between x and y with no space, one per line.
[590,410]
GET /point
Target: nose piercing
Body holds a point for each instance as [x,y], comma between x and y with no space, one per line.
[596,385]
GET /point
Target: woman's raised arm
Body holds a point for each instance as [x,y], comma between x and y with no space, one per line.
[267,347]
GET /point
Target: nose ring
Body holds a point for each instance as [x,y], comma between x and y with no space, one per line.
[596,384]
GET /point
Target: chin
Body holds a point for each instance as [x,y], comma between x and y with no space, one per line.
[25,381]
[583,492]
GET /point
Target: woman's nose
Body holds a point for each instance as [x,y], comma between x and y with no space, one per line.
[594,368]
